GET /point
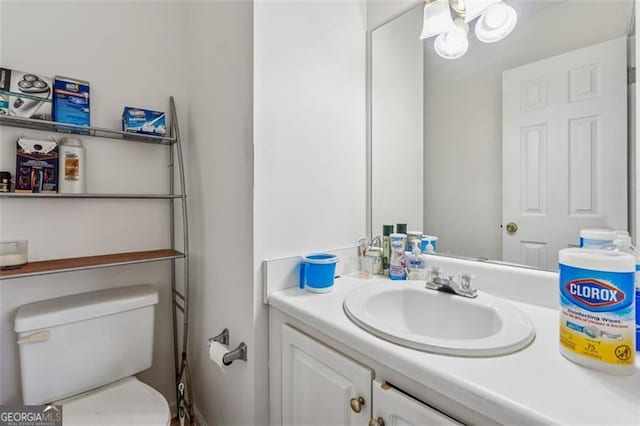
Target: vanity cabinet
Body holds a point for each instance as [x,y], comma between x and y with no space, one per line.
[392,407]
[321,386]
[324,387]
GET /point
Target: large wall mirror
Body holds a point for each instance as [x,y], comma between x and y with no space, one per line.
[535,131]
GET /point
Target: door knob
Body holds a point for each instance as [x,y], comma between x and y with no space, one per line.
[512,227]
[376,422]
[356,404]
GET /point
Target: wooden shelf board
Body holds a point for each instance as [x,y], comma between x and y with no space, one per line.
[89,262]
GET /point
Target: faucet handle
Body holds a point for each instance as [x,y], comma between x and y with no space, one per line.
[434,272]
[465,280]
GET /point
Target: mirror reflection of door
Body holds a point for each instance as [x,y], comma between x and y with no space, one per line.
[564,150]
[530,131]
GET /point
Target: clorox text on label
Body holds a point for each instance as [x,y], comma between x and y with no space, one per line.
[593,292]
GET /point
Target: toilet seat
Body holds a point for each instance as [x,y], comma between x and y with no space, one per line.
[125,402]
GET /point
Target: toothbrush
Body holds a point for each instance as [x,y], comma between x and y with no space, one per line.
[149,127]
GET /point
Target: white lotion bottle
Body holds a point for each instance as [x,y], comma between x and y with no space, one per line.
[71,167]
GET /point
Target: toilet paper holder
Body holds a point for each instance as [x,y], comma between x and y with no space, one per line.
[238,353]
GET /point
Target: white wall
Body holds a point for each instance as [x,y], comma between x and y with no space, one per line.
[309,125]
[397,114]
[219,178]
[309,137]
[381,11]
[463,164]
[89,41]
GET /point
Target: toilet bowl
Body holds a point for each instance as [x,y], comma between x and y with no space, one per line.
[125,402]
[88,347]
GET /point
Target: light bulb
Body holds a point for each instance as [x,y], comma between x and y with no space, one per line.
[453,44]
[496,17]
[496,23]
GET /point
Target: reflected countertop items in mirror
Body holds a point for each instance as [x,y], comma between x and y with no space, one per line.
[508,151]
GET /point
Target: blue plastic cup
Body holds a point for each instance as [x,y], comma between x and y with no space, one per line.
[317,271]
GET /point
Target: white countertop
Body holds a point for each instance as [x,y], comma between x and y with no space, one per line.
[535,385]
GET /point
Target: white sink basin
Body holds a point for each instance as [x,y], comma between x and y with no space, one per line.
[408,314]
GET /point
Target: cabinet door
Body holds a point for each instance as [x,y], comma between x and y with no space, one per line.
[393,408]
[319,383]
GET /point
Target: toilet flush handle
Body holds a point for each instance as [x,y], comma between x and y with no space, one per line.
[40,336]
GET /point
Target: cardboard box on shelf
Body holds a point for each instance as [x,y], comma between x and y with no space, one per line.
[25,95]
[36,166]
[71,103]
[138,120]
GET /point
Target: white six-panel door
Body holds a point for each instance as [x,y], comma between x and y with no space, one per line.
[564,150]
[318,383]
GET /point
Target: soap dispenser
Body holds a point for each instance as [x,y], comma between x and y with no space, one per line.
[416,263]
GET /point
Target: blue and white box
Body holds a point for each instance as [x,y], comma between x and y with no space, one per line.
[138,120]
[71,103]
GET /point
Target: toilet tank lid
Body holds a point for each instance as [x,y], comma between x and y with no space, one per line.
[83,306]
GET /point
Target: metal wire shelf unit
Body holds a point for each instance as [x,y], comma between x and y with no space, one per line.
[179,300]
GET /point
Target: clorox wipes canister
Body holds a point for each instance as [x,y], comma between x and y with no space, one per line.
[597,317]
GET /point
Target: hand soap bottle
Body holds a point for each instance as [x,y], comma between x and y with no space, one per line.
[416,263]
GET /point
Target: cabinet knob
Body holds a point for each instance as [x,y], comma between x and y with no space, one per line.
[356,404]
[376,422]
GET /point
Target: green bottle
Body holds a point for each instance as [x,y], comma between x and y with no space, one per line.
[386,247]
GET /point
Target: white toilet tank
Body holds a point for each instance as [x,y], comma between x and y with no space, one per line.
[72,344]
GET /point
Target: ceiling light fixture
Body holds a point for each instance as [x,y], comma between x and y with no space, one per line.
[496,21]
[436,19]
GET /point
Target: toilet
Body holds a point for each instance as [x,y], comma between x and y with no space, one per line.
[82,351]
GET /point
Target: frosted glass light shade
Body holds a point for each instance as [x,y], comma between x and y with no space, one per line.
[496,23]
[453,44]
[437,19]
[475,8]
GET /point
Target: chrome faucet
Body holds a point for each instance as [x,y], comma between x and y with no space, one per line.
[462,287]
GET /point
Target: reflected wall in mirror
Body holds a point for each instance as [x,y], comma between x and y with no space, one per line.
[536,130]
